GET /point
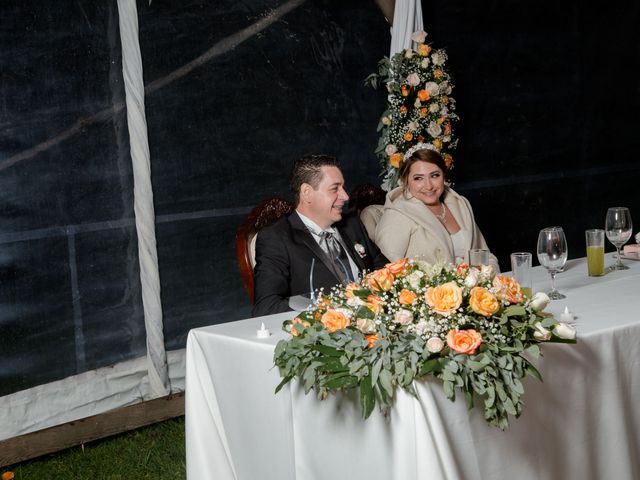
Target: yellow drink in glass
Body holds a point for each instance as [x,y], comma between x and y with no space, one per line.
[595,261]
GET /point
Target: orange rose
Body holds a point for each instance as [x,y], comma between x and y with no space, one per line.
[371,340]
[424,49]
[399,267]
[350,288]
[8,476]
[436,142]
[407,297]
[374,303]
[508,289]
[381,280]
[304,323]
[408,136]
[448,160]
[464,341]
[395,160]
[405,90]
[334,320]
[423,95]
[444,299]
[483,302]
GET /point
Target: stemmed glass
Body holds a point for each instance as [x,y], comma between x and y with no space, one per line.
[552,255]
[618,228]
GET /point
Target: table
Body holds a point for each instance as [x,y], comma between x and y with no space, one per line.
[581,422]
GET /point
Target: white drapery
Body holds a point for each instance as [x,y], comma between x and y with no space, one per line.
[407,18]
[143,198]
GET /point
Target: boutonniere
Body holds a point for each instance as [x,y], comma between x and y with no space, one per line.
[360,250]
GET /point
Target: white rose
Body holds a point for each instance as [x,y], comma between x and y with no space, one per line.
[417,103]
[419,36]
[439,57]
[386,121]
[413,79]
[403,317]
[434,129]
[564,330]
[539,301]
[355,301]
[434,107]
[541,333]
[432,88]
[366,325]
[471,280]
[435,344]
[414,279]
[425,62]
[408,53]
[412,126]
[390,149]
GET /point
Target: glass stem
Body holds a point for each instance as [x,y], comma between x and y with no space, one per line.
[619,261]
[553,281]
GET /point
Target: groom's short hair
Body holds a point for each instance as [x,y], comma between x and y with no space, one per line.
[307,170]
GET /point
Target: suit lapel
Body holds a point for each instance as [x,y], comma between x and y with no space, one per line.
[302,235]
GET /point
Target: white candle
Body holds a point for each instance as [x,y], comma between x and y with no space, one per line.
[263,332]
[566,316]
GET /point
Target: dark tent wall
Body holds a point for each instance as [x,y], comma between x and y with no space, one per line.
[546,92]
[222,130]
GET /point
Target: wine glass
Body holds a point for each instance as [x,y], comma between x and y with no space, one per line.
[618,228]
[552,255]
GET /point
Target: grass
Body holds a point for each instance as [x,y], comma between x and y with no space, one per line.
[155,452]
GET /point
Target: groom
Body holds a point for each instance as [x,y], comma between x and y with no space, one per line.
[315,246]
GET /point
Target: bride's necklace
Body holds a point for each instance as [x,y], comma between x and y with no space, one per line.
[441,216]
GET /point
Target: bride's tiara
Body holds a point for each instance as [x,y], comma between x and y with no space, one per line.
[416,147]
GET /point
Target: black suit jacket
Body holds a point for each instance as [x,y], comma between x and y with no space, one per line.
[290,262]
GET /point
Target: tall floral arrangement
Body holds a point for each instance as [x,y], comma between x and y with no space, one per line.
[420,108]
[468,328]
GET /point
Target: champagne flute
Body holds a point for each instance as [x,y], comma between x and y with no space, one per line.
[618,228]
[552,255]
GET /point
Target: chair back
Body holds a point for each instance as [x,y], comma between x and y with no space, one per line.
[265,213]
[367,201]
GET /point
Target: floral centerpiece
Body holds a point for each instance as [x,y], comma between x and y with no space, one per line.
[420,108]
[466,327]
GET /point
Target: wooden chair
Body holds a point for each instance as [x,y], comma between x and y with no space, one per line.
[267,212]
[366,201]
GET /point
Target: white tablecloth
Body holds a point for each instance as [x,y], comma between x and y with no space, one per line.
[582,422]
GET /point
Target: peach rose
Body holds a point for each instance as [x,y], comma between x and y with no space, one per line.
[371,340]
[403,109]
[462,269]
[423,112]
[448,160]
[438,73]
[334,320]
[483,302]
[298,320]
[464,341]
[404,90]
[423,95]
[407,297]
[374,303]
[508,289]
[395,160]
[399,267]
[381,279]
[436,142]
[444,299]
